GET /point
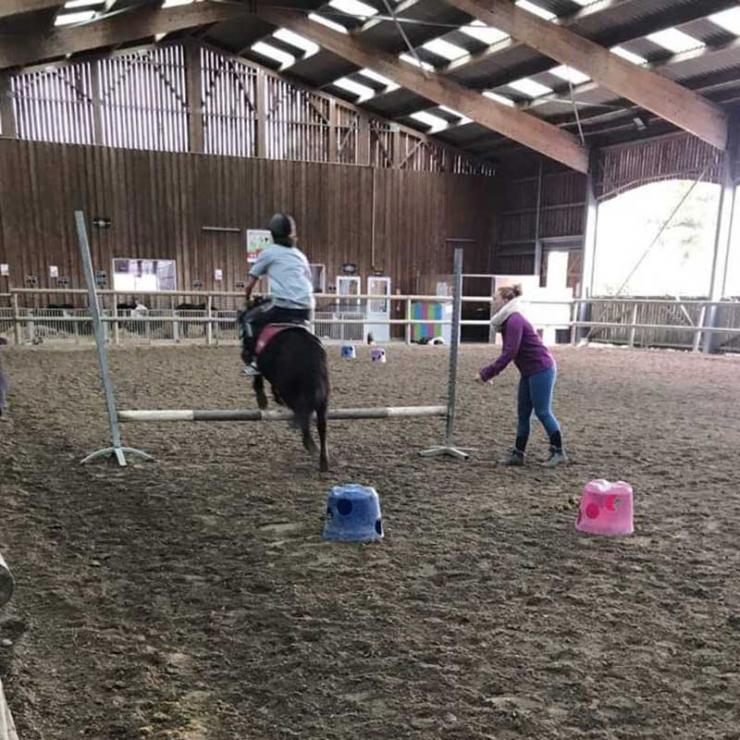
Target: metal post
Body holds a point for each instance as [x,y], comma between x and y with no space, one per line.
[454,345]
[574,309]
[409,326]
[116,328]
[698,334]
[633,321]
[116,449]
[147,324]
[722,240]
[16,320]
[209,325]
[589,249]
[447,447]
[175,325]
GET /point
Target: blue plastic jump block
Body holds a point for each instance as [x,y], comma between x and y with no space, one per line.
[353,514]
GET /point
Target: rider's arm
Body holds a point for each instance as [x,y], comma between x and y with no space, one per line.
[251,282]
[258,269]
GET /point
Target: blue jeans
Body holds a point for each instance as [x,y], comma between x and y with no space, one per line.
[535,394]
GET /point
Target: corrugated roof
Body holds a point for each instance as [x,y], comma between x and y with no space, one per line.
[627,23]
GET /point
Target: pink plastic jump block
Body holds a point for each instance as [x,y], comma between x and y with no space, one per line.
[606,508]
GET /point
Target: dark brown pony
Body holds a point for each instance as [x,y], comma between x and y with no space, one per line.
[294,363]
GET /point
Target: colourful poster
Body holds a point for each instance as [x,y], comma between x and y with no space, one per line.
[257,240]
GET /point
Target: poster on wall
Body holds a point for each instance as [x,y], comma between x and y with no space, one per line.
[4,270]
[53,271]
[218,275]
[257,240]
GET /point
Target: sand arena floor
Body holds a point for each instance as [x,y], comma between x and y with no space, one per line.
[194,598]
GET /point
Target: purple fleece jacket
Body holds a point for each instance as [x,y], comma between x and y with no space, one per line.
[523,345]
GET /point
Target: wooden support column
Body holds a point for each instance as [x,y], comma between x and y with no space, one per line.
[7,118]
[260,108]
[333,131]
[194,75]
[97,103]
[396,153]
[363,140]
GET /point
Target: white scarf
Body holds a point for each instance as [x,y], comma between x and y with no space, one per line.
[510,307]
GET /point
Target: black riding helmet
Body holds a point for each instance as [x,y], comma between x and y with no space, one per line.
[282,228]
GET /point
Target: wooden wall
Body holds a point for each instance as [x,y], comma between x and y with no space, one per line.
[533,203]
[159,202]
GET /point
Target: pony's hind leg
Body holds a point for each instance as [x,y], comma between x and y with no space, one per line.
[305,424]
[259,390]
[321,425]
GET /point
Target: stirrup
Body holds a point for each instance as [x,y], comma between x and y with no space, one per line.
[251,370]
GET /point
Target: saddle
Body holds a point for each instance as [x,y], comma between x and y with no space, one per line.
[272,330]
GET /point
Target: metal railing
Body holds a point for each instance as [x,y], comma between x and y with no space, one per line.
[632,321]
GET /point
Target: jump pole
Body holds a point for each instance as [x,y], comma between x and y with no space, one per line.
[116,449]
[447,447]
[383,412]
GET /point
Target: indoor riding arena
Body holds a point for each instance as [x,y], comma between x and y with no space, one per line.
[498,243]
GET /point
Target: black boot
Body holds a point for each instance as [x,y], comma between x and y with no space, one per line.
[515,458]
[557,453]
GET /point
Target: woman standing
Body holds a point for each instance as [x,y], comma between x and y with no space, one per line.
[538,371]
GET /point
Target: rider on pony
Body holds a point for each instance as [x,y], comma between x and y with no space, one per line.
[291,287]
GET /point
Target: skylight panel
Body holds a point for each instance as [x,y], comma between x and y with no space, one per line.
[71,4]
[434,122]
[370,74]
[271,52]
[583,3]
[175,3]
[487,34]
[499,98]
[463,118]
[296,40]
[675,40]
[535,9]
[412,60]
[67,19]
[316,18]
[569,74]
[362,91]
[630,56]
[531,88]
[728,19]
[354,7]
[445,49]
